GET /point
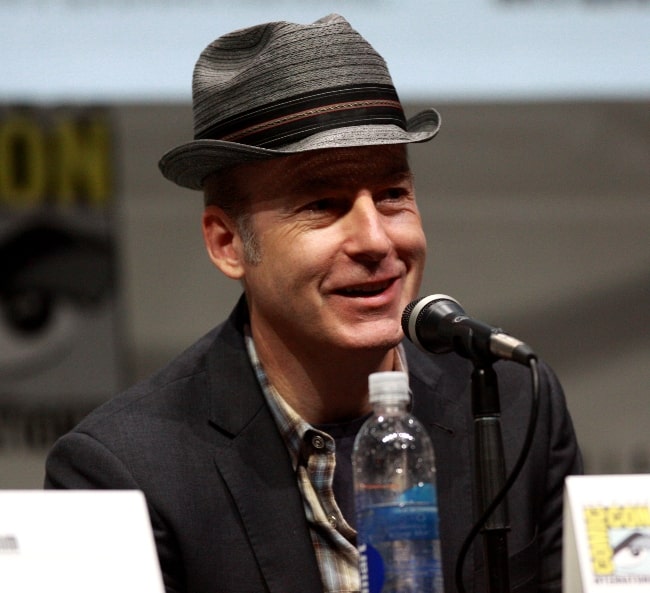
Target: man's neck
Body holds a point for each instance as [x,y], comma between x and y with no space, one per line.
[323,386]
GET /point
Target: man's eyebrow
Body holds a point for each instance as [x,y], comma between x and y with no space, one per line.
[335,180]
[401,175]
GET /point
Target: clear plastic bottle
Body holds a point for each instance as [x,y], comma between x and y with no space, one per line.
[395,495]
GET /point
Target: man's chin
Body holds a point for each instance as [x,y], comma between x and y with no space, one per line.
[374,341]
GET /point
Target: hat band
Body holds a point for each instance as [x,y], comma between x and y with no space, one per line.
[292,120]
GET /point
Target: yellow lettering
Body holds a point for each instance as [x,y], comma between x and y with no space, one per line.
[23,171]
[55,158]
[599,546]
[82,160]
[616,516]
[628,517]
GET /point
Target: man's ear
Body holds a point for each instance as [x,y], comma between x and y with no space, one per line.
[223,242]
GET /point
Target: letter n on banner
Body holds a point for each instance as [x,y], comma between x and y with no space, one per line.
[60,351]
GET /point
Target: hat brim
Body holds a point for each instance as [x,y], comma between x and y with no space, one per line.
[189,164]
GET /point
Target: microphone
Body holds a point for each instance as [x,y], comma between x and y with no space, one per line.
[438,324]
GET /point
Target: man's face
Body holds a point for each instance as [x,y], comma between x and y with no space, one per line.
[342,248]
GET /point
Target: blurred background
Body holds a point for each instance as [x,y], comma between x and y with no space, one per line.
[535,195]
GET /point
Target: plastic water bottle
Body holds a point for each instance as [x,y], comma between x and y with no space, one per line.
[395,495]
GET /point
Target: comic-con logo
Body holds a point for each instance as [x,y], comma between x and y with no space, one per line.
[619,542]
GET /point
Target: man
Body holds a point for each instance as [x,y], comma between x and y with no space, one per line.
[242,444]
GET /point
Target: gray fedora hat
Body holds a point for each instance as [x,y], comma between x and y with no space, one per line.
[282,88]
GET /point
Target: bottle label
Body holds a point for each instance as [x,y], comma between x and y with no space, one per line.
[392,522]
[399,544]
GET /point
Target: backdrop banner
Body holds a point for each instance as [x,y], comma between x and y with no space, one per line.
[59,327]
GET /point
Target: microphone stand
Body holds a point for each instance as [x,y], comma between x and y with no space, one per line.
[490,474]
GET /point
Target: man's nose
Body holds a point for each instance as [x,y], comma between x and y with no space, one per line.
[366,231]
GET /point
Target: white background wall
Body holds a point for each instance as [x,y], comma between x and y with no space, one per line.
[450,49]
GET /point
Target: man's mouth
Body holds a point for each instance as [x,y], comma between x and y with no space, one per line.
[366,290]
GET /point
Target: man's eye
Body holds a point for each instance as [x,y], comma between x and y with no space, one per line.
[392,196]
[394,193]
[321,205]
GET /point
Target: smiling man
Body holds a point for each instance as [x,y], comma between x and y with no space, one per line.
[242,444]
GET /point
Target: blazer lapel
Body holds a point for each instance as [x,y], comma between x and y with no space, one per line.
[255,465]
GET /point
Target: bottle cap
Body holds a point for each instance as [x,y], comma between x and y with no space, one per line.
[388,387]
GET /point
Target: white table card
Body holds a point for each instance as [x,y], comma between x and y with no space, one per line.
[69,541]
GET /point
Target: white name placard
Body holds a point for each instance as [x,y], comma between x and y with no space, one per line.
[67,541]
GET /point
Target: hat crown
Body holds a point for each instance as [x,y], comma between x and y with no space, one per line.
[247,70]
[283,88]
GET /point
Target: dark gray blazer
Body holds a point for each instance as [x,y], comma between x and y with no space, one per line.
[198,439]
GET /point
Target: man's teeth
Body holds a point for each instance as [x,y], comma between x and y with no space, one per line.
[365,289]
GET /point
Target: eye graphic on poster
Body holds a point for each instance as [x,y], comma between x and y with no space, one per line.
[631,551]
[50,278]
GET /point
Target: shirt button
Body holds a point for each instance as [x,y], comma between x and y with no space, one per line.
[333,521]
[318,442]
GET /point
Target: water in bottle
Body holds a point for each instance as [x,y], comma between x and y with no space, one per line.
[395,495]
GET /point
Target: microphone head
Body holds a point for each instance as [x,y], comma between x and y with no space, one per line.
[438,324]
[437,306]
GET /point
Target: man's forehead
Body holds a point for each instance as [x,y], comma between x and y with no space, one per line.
[316,171]
[339,165]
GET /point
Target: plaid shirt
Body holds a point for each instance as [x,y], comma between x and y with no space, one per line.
[313,456]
